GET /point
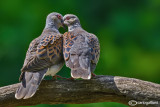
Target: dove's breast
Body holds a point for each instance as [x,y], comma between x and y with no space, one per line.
[54,69]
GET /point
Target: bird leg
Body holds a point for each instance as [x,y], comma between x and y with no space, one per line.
[93,74]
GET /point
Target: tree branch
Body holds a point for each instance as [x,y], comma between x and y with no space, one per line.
[99,89]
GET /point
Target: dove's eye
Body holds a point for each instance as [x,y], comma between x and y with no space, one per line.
[59,17]
[67,18]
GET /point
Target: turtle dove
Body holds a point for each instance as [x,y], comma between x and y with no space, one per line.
[44,57]
[81,50]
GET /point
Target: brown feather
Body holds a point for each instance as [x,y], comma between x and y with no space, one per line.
[43,52]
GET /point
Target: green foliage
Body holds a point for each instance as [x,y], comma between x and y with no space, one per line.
[128,31]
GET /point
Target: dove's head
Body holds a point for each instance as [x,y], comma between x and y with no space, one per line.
[54,20]
[70,19]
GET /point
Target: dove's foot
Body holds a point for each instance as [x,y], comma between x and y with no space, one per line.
[57,76]
[70,78]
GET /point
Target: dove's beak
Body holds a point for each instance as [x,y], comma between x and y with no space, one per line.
[63,24]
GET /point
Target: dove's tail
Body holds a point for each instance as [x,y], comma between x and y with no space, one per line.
[80,66]
[81,73]
[29,84]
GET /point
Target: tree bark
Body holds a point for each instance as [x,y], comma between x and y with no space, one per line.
[99,89]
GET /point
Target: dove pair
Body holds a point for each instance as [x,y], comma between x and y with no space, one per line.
[47,53]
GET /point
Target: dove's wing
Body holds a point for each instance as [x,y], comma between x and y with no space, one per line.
[43,53]
[68,41]
[95,50]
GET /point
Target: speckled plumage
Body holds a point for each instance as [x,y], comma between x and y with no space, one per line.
[81,49]
[44,57]
[43,51]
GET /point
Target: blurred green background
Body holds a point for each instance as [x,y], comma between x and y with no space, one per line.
[128,31]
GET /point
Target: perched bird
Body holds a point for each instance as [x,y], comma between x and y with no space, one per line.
[44,57]
[81,49]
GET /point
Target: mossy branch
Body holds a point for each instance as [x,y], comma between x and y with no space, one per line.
[99,89]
